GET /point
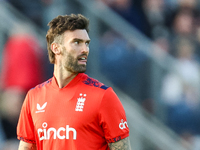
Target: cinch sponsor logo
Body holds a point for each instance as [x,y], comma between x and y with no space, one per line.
[123,124]
[60,133]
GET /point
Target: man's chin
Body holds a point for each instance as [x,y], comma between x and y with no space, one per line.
[81,70]
[77,69]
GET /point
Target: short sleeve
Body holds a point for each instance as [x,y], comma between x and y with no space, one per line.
[25,127]
[112,117]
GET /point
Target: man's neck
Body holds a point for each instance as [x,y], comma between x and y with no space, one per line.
[63,77]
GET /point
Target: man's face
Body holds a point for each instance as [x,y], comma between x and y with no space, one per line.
[75,50]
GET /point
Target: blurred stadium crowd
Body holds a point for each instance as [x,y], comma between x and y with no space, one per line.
[172,25]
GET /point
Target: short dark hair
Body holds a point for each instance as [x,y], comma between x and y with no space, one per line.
[59,25]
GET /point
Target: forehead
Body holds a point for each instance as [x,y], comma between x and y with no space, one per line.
[76,34]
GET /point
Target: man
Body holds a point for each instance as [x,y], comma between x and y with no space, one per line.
[71,110]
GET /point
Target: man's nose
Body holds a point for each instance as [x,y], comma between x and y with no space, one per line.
[85,48]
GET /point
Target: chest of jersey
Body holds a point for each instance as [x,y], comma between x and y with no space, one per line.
[65,114]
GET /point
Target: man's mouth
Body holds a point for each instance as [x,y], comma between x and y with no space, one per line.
[82,60]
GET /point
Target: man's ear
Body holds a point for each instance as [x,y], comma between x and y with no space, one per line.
[55,48]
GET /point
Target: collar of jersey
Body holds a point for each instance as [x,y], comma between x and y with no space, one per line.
[70,84]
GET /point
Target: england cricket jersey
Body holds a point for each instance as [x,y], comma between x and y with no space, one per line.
[84,115]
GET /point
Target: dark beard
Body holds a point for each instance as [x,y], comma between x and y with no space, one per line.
[73,65]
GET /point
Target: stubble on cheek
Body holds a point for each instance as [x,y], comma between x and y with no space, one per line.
[73,66]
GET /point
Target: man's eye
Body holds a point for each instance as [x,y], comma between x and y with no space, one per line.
[76,42]
[87,43]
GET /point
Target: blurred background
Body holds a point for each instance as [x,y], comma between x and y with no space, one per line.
[147,50]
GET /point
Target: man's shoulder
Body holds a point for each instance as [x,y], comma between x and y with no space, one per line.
[42,85]
[91,82]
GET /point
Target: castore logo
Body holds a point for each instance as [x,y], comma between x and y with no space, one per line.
[41,108]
